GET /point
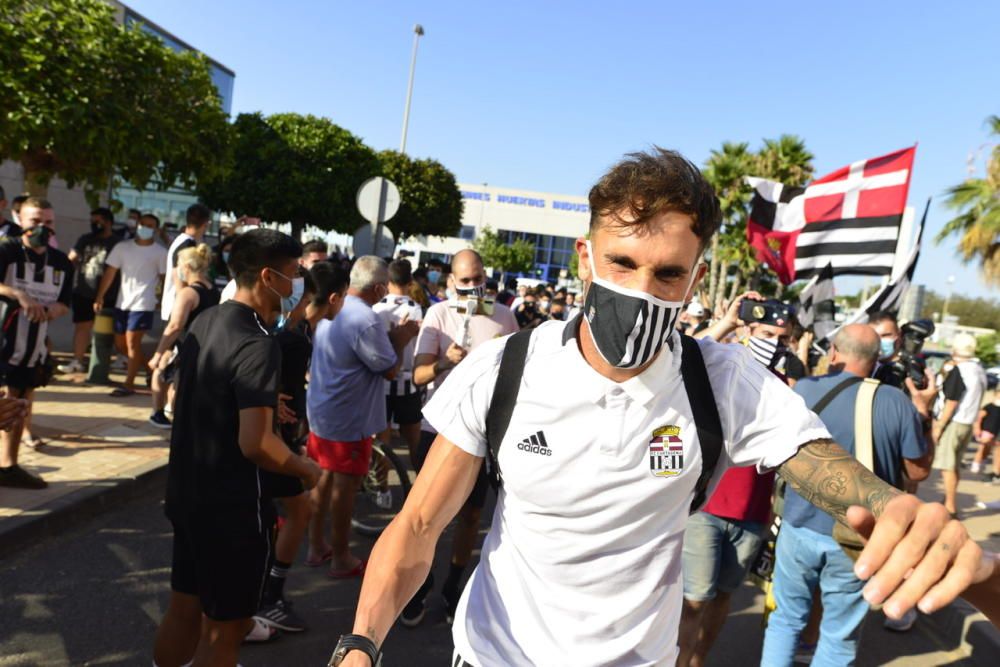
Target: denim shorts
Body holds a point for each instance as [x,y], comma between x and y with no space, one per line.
[717,554]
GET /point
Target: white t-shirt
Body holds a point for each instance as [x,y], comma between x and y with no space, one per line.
[582,564]
[444,325]
[141,268]
[391,310]
[183,240]
[974,380]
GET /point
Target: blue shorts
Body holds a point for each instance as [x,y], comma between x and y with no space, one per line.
[717,554]
[133,320]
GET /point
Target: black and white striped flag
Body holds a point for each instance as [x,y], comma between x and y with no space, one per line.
[816,305]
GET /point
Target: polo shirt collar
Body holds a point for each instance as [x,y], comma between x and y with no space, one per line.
[643,388]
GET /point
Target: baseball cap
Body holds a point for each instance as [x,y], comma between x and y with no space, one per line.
[964,345]
[695,309]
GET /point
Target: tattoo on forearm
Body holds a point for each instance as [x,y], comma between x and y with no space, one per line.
[833,480]
[373,635]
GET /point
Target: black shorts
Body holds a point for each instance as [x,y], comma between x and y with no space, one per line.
[284,486]
[477,498]
[23,378]
[83,308]
[222,557]
[403,409]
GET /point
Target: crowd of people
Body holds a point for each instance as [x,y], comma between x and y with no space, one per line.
[655,447]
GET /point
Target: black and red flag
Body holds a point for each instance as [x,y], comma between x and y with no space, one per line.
[848,219]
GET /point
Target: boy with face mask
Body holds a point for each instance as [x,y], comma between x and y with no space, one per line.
[142,263]
[37,282]
[219,498]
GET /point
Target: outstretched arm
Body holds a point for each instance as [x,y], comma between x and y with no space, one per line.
[916,553]
[833,480]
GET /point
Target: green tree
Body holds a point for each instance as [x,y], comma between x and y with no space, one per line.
[973,312]
[516,257]
[726,169]
[986,349]
[786,160]
[978,223]
[293,168]
[431,203]
[84,98]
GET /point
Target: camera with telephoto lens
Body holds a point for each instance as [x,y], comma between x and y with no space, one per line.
[909,363]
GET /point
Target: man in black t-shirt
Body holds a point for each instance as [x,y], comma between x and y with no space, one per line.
[37,282]
[223,441]
[88,256]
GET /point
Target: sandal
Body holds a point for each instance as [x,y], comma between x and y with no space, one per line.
[260,632]
[356,571]
[312,561]
[34,442]
[122,392]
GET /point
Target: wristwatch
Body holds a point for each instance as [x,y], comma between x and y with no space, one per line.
[350,643]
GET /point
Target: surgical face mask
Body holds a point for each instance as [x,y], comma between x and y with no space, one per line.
[289,302]
[629,327]
[887,348]
[39,236]
[767,351]
[144,233]
[225,256]
[433,277]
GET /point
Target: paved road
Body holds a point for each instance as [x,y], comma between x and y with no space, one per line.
[94,597]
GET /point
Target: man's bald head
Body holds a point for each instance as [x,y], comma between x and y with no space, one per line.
[856,348]
[467,269]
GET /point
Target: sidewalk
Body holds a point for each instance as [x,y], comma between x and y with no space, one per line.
[95,446]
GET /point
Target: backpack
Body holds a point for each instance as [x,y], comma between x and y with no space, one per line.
[696,384]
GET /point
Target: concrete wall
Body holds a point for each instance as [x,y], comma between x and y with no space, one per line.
[72,210]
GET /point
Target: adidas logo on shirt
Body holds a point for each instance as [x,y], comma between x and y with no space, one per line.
[535,444]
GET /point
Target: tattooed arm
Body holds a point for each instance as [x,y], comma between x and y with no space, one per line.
[916,553]
[833,480]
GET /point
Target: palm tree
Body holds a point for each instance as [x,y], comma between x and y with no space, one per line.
[978,223]
[726,170]
[786,160]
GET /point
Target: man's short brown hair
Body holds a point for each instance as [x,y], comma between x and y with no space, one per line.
[36,202]
[643,185]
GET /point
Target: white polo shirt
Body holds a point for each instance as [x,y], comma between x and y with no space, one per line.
[582,564]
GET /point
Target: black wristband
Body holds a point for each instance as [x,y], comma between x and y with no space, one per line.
[350,643]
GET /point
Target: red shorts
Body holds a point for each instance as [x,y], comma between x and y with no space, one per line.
[349,458]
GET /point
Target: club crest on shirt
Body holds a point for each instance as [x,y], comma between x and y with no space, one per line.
[666,452]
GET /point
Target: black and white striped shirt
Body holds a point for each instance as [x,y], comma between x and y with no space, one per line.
[47,278]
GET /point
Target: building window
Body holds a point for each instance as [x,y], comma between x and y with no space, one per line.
[468,233]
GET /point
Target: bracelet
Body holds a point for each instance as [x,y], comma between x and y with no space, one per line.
[350,643]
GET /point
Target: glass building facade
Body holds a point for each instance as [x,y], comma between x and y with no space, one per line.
[552,253]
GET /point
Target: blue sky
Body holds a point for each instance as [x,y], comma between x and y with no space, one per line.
[546,95]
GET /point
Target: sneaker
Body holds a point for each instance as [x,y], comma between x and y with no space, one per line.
[383,499]
[17,477]
[260,632]
[903,624]
[120,364]
[975,467]
[280,615]
[413,613]
[159,420]
[72,367]
[995,478]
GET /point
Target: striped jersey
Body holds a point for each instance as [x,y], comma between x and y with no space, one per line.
[47,278]
[391,309]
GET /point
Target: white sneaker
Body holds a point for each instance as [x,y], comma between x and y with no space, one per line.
[975,467]
[383,499]
[902,625]
[72,367]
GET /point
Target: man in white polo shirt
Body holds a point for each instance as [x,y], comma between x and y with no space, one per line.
[602,456]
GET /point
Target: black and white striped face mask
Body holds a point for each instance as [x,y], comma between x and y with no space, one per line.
[629,327]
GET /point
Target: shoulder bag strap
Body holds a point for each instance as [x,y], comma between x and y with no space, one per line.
[705,412]
[508,384]
[864,406]
[833,393]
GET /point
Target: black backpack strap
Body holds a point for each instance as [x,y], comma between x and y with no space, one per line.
[706,415]
[515,352]
[828,397]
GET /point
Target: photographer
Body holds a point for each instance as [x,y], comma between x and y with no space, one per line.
[770,325]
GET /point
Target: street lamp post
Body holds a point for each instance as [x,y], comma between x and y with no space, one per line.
[418,31]
[947,298]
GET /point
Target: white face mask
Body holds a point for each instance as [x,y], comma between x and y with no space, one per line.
[629,327]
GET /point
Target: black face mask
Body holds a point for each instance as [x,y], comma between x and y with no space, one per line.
[38,237]
[96,228]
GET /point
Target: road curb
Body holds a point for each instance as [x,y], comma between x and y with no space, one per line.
[961,627]
[56,516]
